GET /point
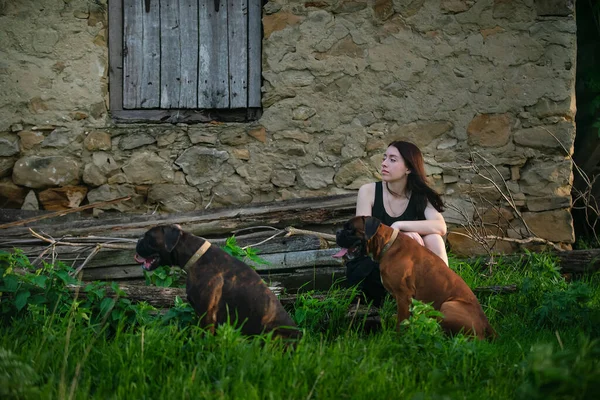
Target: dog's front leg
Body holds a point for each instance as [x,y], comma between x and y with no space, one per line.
[402,302]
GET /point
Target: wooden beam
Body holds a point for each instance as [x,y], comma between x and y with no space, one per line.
[319,211]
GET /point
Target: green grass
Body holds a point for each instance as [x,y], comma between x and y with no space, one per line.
[548,348]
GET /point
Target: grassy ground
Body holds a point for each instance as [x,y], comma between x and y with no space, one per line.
[51,347]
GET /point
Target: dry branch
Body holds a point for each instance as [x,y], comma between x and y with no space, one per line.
[293,231]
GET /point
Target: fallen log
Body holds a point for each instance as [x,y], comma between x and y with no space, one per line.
[319,211]
[569,261]
[275,262]
[163,297]
[579,261]
[118,254]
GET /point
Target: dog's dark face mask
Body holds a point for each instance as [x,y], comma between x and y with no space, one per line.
[155,247]
[353,236]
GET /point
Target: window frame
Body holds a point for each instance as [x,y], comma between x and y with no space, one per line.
[115,86]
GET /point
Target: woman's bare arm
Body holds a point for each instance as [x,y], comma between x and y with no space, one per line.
[365,199]
[433,224]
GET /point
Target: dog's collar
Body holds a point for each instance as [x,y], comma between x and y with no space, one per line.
[389,243]
[199,253]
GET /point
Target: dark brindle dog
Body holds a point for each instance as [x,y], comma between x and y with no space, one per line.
[409,270]
[219,287]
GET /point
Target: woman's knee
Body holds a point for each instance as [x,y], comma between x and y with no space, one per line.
[436,244]
[434,241]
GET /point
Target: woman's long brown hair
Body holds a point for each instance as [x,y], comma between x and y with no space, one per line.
[417,180]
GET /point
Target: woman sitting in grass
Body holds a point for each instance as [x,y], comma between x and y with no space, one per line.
[404,201]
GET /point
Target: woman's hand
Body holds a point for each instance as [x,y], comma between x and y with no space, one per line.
[412,235]
[415,236]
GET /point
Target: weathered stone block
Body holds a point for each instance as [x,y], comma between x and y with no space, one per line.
[559,8]
[545,108]
[456,6]
[47,171]
[352,171]
[105,162]
[513,10]
[290,148]
[62,198]
[202,164]
[465,244]
[232,192]
[279,21]
[9,145]
[31,202]
[93,176]
[97,141]
[133,141]
[314,177]
[234,136]
[6,166]
[11,195]
[148,168]
[555,226]
[61,138]
[383,9]
[175,198]
[543,178]
[420,133]
[258,133]
[30,139]
[111,192]
[489,130]
[350,6]
[559,136]
[241,154]
[303,113]
[283,178]
[479,191]
[496,216]
[255,174]
[296,134]
[199,136]
[548,203]
[408,7]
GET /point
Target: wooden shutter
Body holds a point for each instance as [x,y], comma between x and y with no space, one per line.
[190,54]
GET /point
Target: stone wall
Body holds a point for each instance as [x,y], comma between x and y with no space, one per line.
[485,88]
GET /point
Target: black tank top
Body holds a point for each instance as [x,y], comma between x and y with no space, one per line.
[378,210]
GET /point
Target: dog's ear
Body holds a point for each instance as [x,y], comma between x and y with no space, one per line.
[371,225]
[172,234]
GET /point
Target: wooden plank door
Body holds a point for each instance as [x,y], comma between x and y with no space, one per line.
[191,54]
[141,54]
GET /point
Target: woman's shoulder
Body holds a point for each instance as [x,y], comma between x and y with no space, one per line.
[367,188]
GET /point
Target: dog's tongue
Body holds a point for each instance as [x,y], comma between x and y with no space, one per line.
[146,262]
[340,253]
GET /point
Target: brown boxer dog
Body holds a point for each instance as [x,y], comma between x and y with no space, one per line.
[219,287]
[409,270]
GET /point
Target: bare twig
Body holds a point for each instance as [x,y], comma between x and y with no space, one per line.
[88,258]
[590,203]
[512,240]
[60,242]
[293,231]
[506,196]
[209,202]
[253,228]
[264,241]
